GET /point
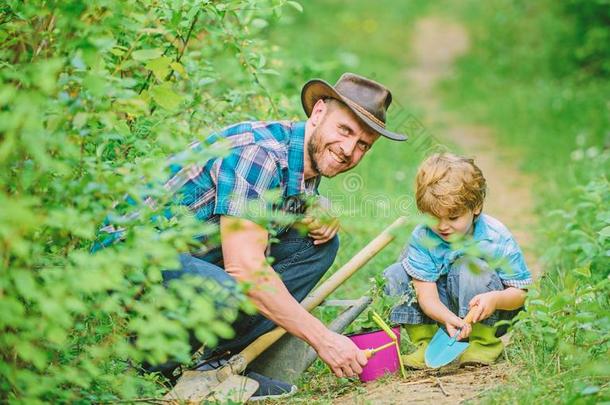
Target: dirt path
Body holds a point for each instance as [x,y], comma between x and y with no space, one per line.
[436,44]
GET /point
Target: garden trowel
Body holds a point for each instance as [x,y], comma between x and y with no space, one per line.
[443,349]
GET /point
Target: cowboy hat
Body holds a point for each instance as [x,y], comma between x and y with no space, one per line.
[366,98]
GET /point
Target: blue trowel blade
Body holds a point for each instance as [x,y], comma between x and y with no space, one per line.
[443,349]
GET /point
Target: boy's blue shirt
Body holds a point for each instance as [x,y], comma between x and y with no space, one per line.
[428,256]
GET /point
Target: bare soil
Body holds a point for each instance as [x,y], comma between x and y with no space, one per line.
[451,386]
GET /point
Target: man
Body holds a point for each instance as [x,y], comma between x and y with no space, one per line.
[343,123]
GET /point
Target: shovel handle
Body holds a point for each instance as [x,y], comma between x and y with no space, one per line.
[470,315]
[317,296]
[467,319]
[371,352]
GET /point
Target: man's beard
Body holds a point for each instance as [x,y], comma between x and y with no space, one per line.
[315,149]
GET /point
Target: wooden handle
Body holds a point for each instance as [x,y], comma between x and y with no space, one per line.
[262,343]
[371,352]
[469,315]
[317,296]
[361,258]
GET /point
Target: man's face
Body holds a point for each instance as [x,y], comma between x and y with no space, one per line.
[339,142]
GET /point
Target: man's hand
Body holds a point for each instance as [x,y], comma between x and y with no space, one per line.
[343,357]
[321,231]
[486,304]
[455,323]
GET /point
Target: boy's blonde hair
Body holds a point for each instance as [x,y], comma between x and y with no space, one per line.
[448,184]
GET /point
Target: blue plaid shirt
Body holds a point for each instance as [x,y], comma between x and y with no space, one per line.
[262,156]
[428,256]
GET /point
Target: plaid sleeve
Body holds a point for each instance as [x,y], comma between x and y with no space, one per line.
[514,272]
[244,177]
[417,259]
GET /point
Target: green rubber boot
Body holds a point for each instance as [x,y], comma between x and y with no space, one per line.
[484,348]
[420,335]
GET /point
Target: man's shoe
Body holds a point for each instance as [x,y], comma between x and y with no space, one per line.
[484,348]
[213,363]
[420,335]
[269,388]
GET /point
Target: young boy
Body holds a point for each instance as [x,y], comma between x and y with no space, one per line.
[442,280]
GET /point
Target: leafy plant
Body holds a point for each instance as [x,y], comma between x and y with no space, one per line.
[381,304]
[94,96]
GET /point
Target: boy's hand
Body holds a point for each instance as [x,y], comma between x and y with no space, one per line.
[485,305]
[456,323]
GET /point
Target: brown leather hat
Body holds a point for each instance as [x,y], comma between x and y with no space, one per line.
[368,99]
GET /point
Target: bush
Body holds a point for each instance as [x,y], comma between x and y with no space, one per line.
[591,33]
[566,329]
[93,97]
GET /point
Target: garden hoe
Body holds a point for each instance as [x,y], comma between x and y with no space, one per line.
[226,383]
[443,349]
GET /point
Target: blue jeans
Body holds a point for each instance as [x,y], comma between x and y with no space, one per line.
[455,291]
[300,264]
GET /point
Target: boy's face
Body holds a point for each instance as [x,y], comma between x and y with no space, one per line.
[455,224]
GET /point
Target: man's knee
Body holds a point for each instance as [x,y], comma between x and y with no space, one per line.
[397,281]
[209,278]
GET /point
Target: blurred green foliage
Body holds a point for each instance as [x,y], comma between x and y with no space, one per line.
[94,96]
[589,34]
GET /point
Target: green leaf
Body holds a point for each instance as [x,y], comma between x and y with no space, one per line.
[25,283]
[147,54]
[166,97]
[80,119]
[178,67]
[160,67]
[590,390]
[95,84]
[11,312]
[7,93]
[45,74]
[584,270]
[296,5]
[222,329]
[122,128]
[31,353]
[271,72]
